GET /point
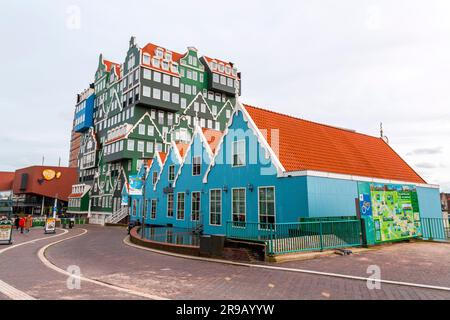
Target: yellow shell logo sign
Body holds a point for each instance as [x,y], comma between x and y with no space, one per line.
[50,174]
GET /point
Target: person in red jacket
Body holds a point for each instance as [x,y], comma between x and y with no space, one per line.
[21,224]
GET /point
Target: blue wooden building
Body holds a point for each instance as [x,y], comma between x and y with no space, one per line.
[269,169]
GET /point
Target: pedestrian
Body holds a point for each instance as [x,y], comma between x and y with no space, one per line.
[16,222]
[28,223]
[21,224]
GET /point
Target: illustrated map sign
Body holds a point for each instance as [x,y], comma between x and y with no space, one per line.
[393,208]
[50,225]
[136,185]
[6,232]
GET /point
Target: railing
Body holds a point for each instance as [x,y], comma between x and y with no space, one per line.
[298,236]
[435,229]
[117,215]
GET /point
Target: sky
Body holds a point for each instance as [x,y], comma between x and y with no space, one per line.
[351,64]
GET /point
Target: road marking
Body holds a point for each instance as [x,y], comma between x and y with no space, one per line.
[47,263]
[127,241]
[13,293]
[10,291]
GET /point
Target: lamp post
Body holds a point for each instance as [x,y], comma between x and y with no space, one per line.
[143,179]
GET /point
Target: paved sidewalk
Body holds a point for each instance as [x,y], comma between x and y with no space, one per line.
[101,254]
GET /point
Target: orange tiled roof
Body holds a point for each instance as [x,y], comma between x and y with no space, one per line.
[213,137]
[163,156]
[109,65]
[307,145]
[150,49]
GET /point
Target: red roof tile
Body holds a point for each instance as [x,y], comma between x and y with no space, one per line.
[182,148]
[306,145]
[150,49]
[6,180]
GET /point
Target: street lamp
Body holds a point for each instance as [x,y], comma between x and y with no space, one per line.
[144,164]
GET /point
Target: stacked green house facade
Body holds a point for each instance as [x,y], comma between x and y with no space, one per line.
[139,107]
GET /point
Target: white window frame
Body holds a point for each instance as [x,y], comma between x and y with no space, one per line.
[220,202]
[233,154]
[239,213]
[184,205]
[274,206]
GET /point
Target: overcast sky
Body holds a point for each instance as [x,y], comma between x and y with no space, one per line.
[352,64]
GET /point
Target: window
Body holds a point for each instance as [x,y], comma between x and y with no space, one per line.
[215,207]
[147,74]
[238,207]
[203,108]
[170,205]
[156,76]
[194,75]
[196,106]
[166,95]
[153,209]
[175,98]
[228,114]
[216,78]
[230,82]
[142,129]
[155,62]
[214,110]
[154,177]
[169,119]
[180,206]
[195,206]
[166,79]
[146,59]
[217,126]
[266,206]
[223,80]
[140,146]
[196,165]
[149,147]
[161,117]
[175,82]
[150,130]
[183,103]
[171,172]
[130,145]
[188,89]
[238,153]
[156,94]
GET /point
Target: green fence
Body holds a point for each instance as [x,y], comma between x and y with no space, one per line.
[77,221]
[435,229]
[299,236]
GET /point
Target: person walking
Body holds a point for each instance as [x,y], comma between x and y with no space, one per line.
[16,222]
[21,224]
[28,223]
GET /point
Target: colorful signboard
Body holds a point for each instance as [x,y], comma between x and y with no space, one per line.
[136,184]
[5,232]
[50,225]
[393,209]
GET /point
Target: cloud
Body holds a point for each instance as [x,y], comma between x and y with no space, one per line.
[426,165]
[426,151]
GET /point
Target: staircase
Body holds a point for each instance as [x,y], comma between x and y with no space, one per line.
[118,215]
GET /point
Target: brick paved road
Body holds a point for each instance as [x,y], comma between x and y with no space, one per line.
[21,268]
[102,255]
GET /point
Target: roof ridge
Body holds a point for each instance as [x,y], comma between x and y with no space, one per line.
[310,121]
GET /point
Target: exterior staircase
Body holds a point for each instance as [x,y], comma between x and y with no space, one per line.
[118,216]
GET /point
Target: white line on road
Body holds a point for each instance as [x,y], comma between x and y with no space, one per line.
[9,290]
[320,273]
[47,263]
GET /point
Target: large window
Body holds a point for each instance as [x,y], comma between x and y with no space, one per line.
[196,165]
[238,207]
[195,206]
[170,204]
[238,153]
[171,172]
[180,206]
[215,207]
[153,209]
[266,206]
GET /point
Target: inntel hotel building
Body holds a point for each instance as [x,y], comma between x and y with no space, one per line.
[175,121]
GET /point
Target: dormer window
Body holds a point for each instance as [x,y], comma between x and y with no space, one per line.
[214,65]
[221,67]
[159,53]
[175,67]
[155,62]
[165,65]
[234,72]
[227,70]
[169,56]
[146,59]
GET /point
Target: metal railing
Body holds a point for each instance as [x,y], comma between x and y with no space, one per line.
[435,229]
[283,238]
